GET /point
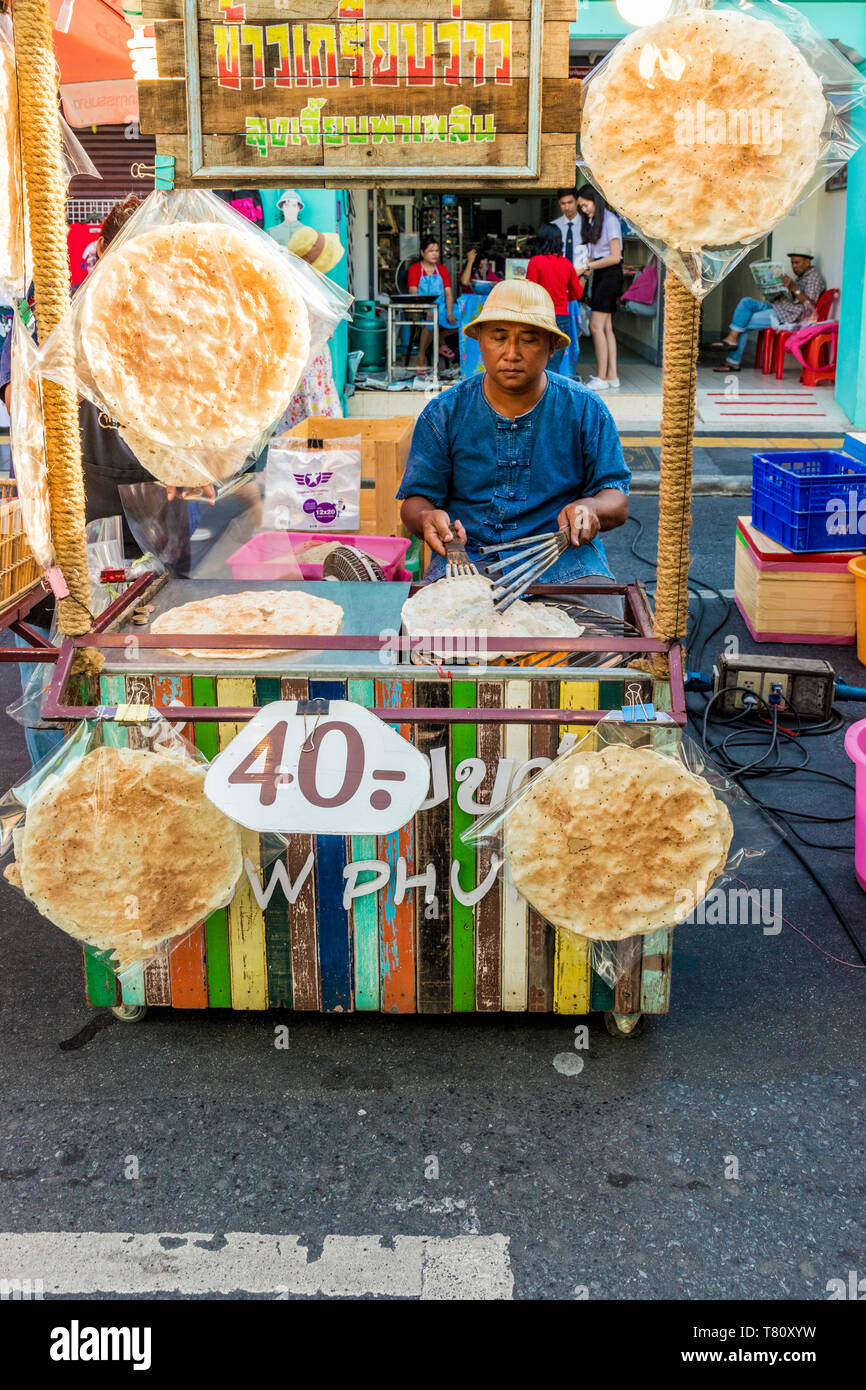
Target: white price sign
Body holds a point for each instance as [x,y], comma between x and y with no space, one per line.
[343,772]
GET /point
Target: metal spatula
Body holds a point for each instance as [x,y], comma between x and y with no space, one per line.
[457,562]
[532,556]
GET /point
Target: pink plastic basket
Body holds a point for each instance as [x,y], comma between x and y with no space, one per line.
[264,557]
[855,747]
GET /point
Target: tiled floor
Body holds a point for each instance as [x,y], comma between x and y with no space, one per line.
[737,402]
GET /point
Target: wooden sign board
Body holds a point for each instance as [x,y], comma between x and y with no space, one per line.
[377,92]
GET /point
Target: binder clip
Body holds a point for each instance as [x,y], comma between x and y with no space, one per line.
[635,710]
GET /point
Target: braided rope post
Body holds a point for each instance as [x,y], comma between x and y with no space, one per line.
[45,182]
[682,331]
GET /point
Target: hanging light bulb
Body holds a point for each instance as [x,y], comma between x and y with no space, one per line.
[640,12]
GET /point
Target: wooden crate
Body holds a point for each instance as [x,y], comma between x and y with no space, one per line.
[18,569]
[384,452]
[380,954]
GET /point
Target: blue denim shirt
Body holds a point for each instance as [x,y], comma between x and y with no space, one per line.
[510,478]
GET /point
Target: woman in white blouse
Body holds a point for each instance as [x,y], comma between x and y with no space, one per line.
[601,233]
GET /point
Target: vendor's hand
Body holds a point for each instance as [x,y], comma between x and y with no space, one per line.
[787,282]
[451,319]
[192,494]
[437,530]
[582,521]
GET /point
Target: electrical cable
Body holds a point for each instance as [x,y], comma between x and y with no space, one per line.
[775,738]
[756,769]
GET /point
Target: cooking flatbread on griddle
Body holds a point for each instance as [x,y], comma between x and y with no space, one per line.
[705,128]
[280,611]
[195,335]
[464,607]
[617,843]
[123,850]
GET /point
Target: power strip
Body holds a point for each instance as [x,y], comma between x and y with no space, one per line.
[807,685]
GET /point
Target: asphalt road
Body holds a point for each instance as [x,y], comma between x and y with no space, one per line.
[715,1156]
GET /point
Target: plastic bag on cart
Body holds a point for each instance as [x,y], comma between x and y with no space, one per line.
[624,833]
[314,489]
[706,128]
[27,709]
[27,433]
[192,333]
[115,842]
[13,272]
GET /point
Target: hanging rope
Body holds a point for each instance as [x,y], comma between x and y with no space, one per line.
[45,182]
[682,330]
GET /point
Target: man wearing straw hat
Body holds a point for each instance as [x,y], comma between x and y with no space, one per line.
[515,450]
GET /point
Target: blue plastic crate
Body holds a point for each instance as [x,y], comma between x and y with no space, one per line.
[812,499]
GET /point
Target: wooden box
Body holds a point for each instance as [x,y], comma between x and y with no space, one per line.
[785,596]
[384,451]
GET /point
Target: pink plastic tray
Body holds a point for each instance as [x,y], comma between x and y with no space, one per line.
[264,557]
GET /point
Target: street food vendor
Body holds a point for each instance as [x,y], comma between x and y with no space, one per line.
[516,450]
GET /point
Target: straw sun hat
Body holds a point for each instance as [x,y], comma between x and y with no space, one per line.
[322,250]
[519,301]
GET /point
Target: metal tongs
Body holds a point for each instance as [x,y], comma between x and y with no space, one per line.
[533,556]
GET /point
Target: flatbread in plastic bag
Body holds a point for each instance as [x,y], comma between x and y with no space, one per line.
[27,434]
[706,128]
[192,333]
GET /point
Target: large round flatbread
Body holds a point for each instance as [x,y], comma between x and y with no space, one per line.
[617,843]
[27,431]
[280,611]
[704,129]
[124,850]
[195,335]
[464,607]
[11,199]
[185,468]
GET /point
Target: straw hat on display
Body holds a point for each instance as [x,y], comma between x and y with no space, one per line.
[519,301]
[321,250]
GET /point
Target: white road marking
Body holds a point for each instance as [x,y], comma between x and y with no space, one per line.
[423,1267]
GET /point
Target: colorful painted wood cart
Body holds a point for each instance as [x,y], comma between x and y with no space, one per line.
[314,954]
[476,946]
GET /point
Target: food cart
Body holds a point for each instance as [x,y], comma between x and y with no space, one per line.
[442,931]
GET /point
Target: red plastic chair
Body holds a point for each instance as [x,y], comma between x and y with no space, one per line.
[823,311]
[823,344]
[770,350]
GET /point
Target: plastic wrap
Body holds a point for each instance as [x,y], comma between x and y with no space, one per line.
[27,434]
[13,274]
[312,489]
[611,860]
[192,333]
[707,128]
[118,845]
[16,261]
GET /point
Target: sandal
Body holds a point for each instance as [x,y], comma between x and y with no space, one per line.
[728,367]
[723,346]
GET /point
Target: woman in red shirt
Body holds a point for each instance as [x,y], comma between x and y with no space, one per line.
[556,273]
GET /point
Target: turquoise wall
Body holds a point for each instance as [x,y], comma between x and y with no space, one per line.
[845,21]
[324,209]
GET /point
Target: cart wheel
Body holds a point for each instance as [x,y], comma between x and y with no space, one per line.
[129,1013]
[624,1025]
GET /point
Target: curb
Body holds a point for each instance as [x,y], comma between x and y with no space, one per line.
[738,485]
